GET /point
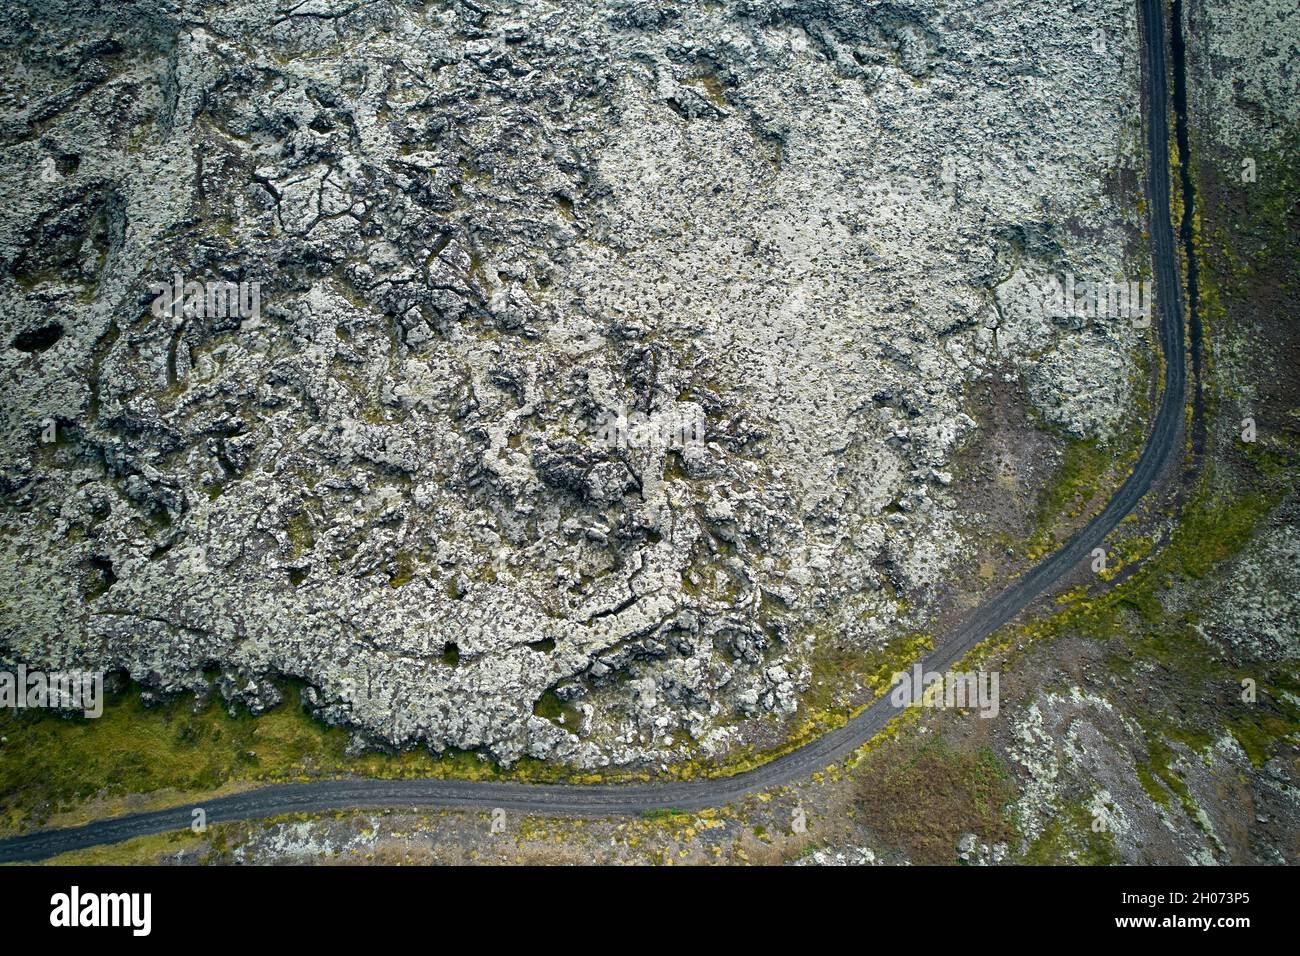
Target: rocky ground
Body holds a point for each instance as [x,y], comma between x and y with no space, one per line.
[479,231]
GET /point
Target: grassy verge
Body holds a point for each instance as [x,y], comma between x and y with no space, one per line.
[925,794]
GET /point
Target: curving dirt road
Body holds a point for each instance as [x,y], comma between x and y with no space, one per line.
[1166,440]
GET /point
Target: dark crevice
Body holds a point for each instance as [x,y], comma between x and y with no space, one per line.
[38,340]
[103,577]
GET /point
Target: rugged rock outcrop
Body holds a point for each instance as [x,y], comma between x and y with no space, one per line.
[476,241]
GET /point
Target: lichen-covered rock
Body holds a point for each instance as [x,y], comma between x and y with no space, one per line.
[1246,100]
[475,237]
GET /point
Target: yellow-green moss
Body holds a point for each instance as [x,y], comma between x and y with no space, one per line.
[1069,837]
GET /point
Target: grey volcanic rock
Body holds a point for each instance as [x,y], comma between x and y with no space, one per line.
[481,232]
[1253,48]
